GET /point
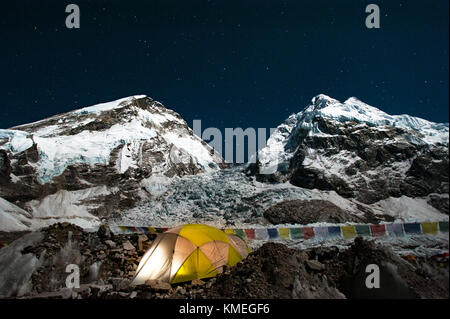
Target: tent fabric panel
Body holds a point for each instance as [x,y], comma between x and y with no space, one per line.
[233,256]
[216,252]
[148,253]
[183,248]
[158,262]
[174,230]
[241,247]
[200,234]
[194,267]
[188,270]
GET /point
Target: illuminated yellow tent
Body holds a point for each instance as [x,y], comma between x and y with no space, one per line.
[189,252]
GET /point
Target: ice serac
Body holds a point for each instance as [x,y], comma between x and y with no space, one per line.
[360,152]
[89,163]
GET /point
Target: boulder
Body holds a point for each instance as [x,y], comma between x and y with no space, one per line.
[158,285]
[315,265]
[110,244]
[128,246]
[197,282]
[104,232]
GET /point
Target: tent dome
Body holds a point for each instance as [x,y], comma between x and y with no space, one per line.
[189,252]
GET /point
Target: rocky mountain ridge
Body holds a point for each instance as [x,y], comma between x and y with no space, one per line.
[360,152]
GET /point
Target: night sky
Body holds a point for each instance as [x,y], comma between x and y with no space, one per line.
[228,63]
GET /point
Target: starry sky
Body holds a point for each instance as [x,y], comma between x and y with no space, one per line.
[229,63]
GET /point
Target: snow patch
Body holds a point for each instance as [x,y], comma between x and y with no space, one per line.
[16,268]
[13,218]
[193,146]
[67,206]
[18,141]
[407,209]
[88,147]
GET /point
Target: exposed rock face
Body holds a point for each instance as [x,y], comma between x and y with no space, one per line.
[114,145]
[308,211]
[372,169]
[358,151]
[439,202]
[5,168]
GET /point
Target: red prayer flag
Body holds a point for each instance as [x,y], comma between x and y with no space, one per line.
[308,232]
[378,230]
[250,233]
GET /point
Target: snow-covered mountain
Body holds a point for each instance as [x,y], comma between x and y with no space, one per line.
[87,164]
[332,162]
[360,152]
[134,162]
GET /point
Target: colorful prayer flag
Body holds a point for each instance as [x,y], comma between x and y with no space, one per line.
[261,234]
[240,233]
[296,233]
[412,228]
[308,232]
[378,230]
[362,230]
[430,228]
[395,230]
[321,232]
[250,233]
[284,233]
[348,231]
[334,231]
[273,233]
[443,227]
[123,228]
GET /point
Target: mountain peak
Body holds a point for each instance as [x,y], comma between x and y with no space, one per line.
[120,103]
[321,101]
[326,117]
[127,131]
[354,110]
